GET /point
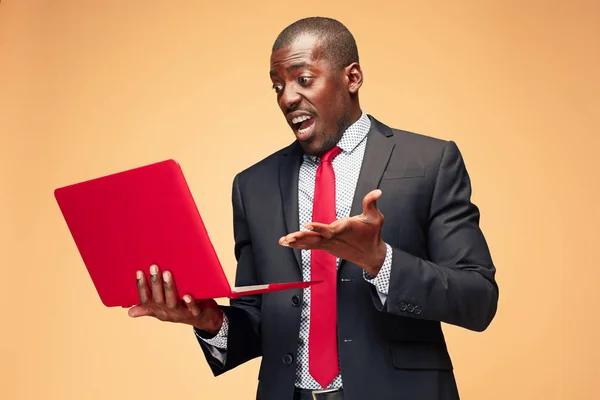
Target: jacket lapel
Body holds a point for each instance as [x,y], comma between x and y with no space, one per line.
[289,167]
[377,155]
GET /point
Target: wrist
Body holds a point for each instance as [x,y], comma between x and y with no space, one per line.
[376,263]
[213,325]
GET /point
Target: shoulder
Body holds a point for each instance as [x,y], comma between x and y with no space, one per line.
[413,144]
[407,138]
[268,167]
[413,149]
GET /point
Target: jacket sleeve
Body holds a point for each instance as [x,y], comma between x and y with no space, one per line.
[243,314]
[456,284]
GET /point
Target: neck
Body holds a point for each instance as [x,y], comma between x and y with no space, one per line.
[355,112]
[352,116]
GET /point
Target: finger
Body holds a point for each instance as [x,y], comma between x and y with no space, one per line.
[158,291]
[285,241]
[142,286]
[191,305]
[292,237]
[370,202]
[171,295]
[330,231]
[139,311]
[341,226]
[322,229]
[296,236]
[315,241]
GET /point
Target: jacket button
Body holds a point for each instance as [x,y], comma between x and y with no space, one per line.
[295,300]
[411,308]
[417,310]
[287,359]
[402,306]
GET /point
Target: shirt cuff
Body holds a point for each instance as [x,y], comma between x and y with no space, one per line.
[220,339]
[382,280]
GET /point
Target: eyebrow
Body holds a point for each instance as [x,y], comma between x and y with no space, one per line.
[291,68]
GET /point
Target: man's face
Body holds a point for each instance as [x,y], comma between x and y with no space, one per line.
[312,94]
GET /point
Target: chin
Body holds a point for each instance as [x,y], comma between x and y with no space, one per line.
[309,146]
[319,144]
[308,149]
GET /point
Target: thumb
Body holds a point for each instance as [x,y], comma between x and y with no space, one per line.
[139,311]
[370,202]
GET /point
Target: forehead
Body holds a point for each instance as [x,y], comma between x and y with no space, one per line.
[304,51]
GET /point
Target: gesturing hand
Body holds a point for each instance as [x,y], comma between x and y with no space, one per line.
[356,239]
[162,302]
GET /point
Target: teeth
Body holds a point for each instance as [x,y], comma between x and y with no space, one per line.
[302,118]
[305,130]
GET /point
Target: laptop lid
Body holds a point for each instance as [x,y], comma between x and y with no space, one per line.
[128,221]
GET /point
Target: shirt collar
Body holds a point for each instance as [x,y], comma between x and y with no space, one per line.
[352,136]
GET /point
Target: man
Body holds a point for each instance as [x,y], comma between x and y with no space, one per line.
[315,211]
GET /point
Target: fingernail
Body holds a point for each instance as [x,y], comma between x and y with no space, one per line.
[310,227]
[292,240]
[153,270]
[285,244]
[138,275]
[167,276]
[187,298]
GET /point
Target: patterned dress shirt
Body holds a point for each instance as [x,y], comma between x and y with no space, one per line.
[346,166]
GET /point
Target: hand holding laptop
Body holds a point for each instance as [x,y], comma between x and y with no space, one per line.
[147,216]
[159,299]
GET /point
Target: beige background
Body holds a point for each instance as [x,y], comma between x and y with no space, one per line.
[93,87]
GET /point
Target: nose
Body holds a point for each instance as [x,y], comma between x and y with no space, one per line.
[289,99]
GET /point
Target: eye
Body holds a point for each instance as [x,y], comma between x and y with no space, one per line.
[304,80]
[277,88]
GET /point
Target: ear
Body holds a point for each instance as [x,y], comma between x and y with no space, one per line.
[354,76]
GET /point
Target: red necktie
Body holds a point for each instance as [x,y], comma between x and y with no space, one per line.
[322,337]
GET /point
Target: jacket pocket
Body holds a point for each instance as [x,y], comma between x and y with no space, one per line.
[421,356]
[407,173]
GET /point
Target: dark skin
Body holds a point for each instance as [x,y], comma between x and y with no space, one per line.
[307,85]
[161,301]
[356,239]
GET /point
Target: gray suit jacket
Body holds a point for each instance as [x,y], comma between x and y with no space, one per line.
[441,271]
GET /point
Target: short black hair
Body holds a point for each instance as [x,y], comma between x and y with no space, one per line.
[338,44]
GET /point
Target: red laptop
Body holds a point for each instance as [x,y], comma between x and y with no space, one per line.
[125,222]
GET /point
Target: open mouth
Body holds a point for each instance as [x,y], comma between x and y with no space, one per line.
[303,125]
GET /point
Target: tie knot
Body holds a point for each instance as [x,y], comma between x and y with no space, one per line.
[329,155]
